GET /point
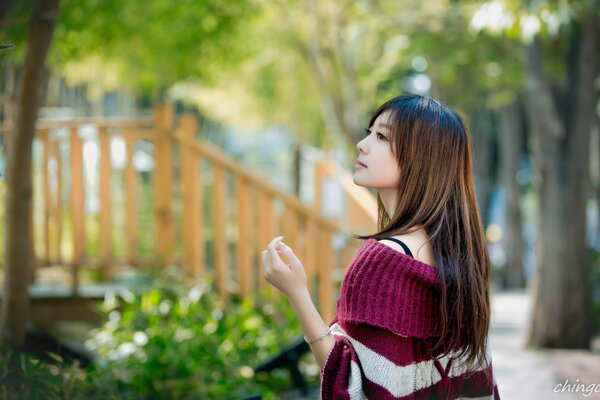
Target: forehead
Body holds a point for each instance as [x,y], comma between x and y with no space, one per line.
[383,120]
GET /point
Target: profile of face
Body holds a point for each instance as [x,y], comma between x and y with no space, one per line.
[375,152]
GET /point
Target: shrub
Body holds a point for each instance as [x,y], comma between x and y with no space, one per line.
[171,342]
[166,341]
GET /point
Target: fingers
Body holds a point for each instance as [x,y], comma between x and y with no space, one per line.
[275,241]
[273,253]
[267,259]
[290,255]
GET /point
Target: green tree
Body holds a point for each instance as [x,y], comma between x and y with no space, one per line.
[561,63]
[154,44]
[561,109]
[18,242]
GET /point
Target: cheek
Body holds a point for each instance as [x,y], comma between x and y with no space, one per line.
[392,169]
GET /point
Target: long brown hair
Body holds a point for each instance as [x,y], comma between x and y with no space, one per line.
[436,190]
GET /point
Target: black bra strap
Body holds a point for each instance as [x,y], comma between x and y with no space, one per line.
[401,243]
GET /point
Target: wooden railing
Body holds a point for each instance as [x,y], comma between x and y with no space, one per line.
[360,206]
[246,211]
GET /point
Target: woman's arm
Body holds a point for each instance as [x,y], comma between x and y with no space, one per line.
[291,280]
[313,326]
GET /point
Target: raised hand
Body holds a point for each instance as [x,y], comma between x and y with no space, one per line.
[288,276]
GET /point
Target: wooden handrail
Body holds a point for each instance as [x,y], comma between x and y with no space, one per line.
[214,154]
[100,122]
[257,207]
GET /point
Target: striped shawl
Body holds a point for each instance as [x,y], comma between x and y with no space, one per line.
[385,327]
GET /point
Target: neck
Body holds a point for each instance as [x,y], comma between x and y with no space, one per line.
[388,198]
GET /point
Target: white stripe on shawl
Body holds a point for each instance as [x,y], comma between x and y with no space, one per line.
[398,380]
[355,386]
[456,371]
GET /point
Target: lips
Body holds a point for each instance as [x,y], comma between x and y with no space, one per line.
[358,162]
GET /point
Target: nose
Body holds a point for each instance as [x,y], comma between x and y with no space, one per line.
[360,146]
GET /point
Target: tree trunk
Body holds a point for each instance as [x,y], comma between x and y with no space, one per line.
[484,163]
[4,7]
[18,233]
[562,292]
[9,93]
[510,136]
[596,153]
[297,170]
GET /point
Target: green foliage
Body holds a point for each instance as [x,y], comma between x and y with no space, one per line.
[167,341]
[172,342]
[157,43]
[14,29]
[24,377]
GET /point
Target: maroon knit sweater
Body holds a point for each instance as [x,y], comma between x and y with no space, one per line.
[385,328]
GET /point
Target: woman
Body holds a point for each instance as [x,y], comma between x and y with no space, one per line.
[413,314]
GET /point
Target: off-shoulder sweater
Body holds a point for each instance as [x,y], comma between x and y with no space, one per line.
[385,326]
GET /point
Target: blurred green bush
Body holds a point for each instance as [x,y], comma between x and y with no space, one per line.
[166,341]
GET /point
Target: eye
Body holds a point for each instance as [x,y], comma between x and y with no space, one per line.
[380,136]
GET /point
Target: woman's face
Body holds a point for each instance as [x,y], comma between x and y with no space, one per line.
[375,151]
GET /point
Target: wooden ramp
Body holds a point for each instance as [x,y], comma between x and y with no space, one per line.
[208,214]
[56,303]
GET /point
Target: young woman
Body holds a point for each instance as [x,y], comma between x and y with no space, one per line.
[413,314]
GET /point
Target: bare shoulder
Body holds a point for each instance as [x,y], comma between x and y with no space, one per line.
[417,244]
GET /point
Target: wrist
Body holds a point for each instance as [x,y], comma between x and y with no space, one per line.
[299,296]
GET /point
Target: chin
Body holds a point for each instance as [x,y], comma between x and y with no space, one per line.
[356,181]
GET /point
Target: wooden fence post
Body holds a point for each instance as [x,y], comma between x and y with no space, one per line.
[59,201]
[310,261]
[77,206]
[245,240]
[106,262]
[45,134]
[163,183]
[191,179]
[131,199]
[320,174]
[219,230]
[325,278]
[267,227]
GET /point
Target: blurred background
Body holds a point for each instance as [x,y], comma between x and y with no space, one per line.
[149,151]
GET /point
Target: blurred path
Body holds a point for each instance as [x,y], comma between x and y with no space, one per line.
[527,374]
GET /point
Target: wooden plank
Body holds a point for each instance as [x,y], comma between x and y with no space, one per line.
[131,199]
[100,122]
[310,260]
[266,229]
[278,217]
[290,225]
[192,205]
[326,300]
[244,242]
[105,206]
[219,226]
[47,194]
[320,174]
[163,184]
[77,206]
[300,246]
[58,201]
